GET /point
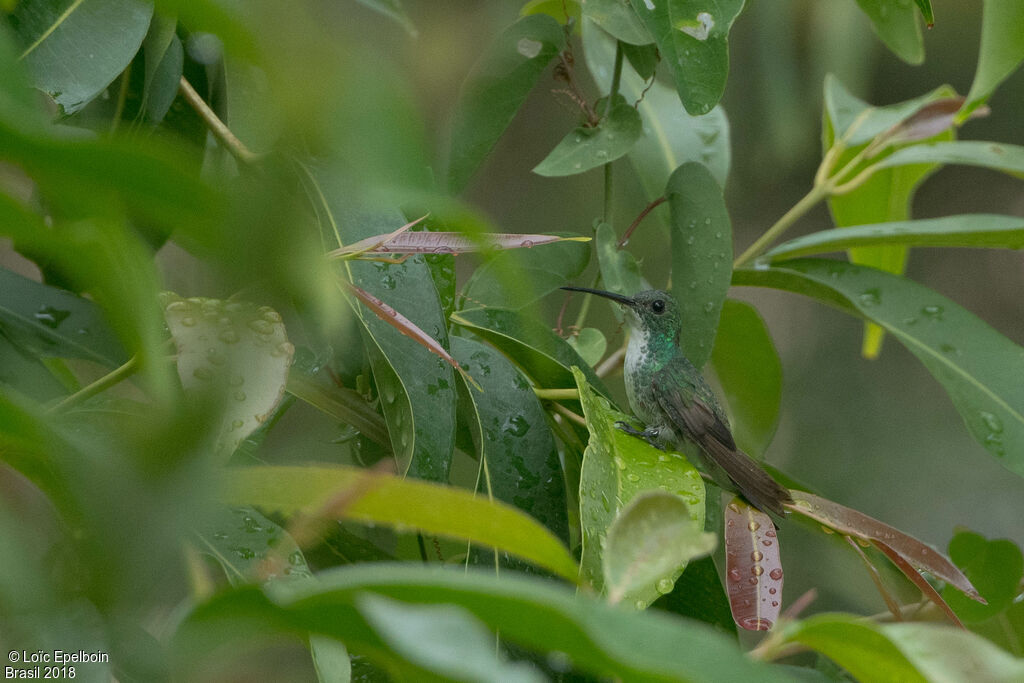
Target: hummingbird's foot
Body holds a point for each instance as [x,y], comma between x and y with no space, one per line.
[649,435]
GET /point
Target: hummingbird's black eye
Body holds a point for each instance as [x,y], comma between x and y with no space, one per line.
[658,306]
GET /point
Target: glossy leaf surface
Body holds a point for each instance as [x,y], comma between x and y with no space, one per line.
[753,567]
[1001,52]
[587,148]
[896,24]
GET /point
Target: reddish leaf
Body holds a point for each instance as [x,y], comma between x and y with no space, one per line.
[853,523]
[402,242]
[409,329]
[919,581]
[890,601]
[928,121]
[753,567]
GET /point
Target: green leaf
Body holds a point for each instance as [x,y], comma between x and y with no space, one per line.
[994,567]
[643,58]
[1001,51]
[856,122]
[496,88]
[967,230]
[649,540]
[904,652]
[393,9]
[616,468]
[698,594]
[445,640]
[51,322]
[165,59]
[562,11]
[345,405]
[896,24]
[620,272]
[997,156]
[750,372]
[692,36]
[236,350]
[586,148]
[618,18]
[24,372]
[73,49]
[701,256]
[252,113]
[671,137]
[590,344]
[975,364]
[417,387]
[926,11]
[517,279]
[244,543]
[513,436]
[886,196]
[404,503]
[542,354]
[596,637]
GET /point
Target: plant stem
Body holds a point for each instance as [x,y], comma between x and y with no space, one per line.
[122,97]
[581,317]
[556,394]
[817,193]
[611,362]
[643,214]
[216,126]
[616,79]
[103,383]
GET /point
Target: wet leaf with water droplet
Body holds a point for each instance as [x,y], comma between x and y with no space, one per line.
[648,541]
[754,568]
[587,148]
[612,468]
[220,352]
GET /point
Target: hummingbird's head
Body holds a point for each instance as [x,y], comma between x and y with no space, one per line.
[653,311]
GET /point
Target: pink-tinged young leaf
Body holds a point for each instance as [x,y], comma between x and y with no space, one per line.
[928,121]
[854,523]
[409,329]
[926,588]
[401,242]
[753,567]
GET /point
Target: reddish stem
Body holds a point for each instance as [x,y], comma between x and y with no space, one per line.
[643,214]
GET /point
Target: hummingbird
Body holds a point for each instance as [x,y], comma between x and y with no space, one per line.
[670,396]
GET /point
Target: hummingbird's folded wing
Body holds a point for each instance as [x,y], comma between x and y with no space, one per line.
[692,415]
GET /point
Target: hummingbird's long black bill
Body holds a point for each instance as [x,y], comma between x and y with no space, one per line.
[625,300]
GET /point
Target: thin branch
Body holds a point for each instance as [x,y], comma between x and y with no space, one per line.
[216,126]
[102,384]
[643,214]
[611,362]
[557,394]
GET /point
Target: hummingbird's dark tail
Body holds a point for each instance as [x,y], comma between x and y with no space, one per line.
[756,485]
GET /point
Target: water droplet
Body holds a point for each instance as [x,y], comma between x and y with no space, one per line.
[261,326]
[528,47]
[640,604]
[202,373]
[992,422]
[176,307]
[933,312]
[665,586]
[871,297]
[827,530]
[601,154]
[228,336]
[770,533]
[283,349]
[757,556]
[734,575]
[215,357]
[776,574]
[188,321]
[753,526]
[236,424]
[272,316]
[236,381]
[620,463]
[516,426]
[690,239]
[709,306]
[633,477]
[772,590]
[757,570]
[239,395]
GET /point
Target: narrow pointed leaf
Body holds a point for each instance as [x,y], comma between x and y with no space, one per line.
[404,503]
[448,243]
[968,230]
[164,60]
[393,9]
[896,24]
[643,58]
[671,136]
[975,364]
[496,88]
[692,36]
[617,467]
[344,405]
[1001,51]
[855,523]
[647,543]
[514,438]
[994,155]
[586,148]
[544,356]
[237,350]
[701,256]
[750,372]
[596,637]
[753,567]
[518,278]
[74,49]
